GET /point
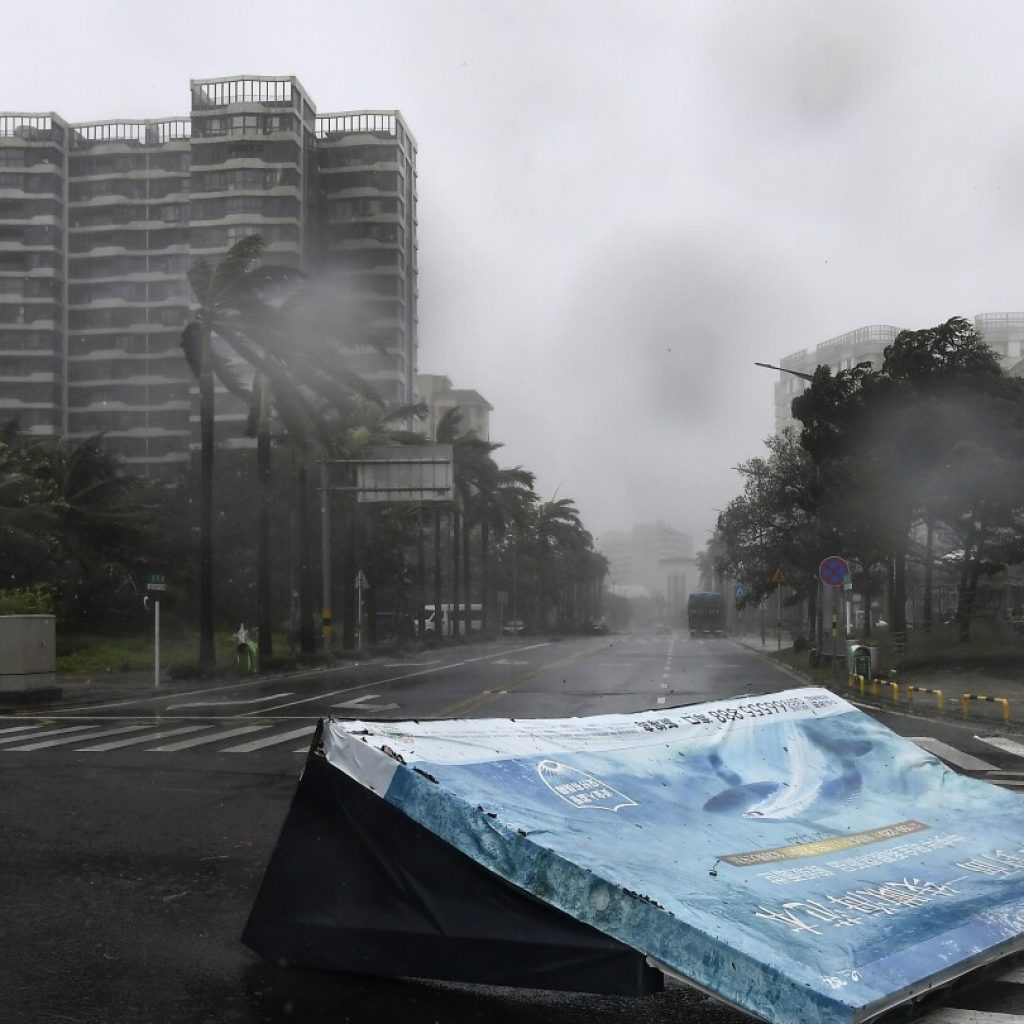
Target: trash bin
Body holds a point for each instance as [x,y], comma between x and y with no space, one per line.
[862,660]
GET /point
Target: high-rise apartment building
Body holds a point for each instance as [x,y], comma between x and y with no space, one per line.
[99,223]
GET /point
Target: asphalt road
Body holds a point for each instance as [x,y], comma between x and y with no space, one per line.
[136,826]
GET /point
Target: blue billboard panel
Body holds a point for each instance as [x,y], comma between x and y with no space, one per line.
[785,852]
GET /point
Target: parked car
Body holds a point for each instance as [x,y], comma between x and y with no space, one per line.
[513,626]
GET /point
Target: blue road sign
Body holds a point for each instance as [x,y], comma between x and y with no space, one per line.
[833,570]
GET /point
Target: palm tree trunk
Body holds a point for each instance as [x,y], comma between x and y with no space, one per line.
[456,578]
[485,579]
[370,574]
[467,533]
[421,573]
[348,576]
[438,592]
[307,636]
[264,618]
[207,653]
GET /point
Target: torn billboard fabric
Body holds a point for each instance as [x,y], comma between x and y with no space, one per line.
[785,852]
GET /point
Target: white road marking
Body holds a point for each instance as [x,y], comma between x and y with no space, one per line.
[1010,746]
[226,703]
[48,732]
[950,754]
[269,741]
[161,734]
[206,691]
[363,704]
[390,679]
[216,737]
[18,728]
[40,744]
[947,1015]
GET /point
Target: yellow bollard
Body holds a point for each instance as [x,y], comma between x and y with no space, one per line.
[1001,701]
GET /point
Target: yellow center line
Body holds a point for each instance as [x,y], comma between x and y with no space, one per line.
[468,704]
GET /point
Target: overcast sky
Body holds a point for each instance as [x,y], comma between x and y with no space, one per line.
[623,205]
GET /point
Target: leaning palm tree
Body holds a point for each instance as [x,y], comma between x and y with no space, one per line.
[557,530]
[234,303]
[496,508]
[473,474]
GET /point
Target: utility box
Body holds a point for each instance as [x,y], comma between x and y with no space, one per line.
[28,655]
[862,660]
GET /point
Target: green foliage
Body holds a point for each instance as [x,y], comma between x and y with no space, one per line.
[31,601]
[934,437]
[71,526]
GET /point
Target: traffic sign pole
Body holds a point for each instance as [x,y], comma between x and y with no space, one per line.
[778,622]
[156,644]
[156,584]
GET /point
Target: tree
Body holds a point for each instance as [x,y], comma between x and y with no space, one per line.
[933,435]
[71,521]
[234,303]
[774,525]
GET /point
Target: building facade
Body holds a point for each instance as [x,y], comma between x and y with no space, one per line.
[435,391]
[100,222]
[1002,332]
[654,559]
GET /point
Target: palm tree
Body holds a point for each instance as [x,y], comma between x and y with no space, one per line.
[70,519]
[473,475]
[557,532]
[498,507]
[234,305]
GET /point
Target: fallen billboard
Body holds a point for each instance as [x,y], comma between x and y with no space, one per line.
[785,852]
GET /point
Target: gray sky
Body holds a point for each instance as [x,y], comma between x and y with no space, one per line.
[624,204]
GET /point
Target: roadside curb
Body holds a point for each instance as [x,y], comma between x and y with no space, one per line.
[954,697]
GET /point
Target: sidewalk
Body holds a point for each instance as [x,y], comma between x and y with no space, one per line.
[1004,695]
[87,690]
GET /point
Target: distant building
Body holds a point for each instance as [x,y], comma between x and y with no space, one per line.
[655,557]
[437,393]
[99,223]
[1002,332]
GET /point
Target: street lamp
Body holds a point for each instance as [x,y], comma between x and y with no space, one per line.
[782,369]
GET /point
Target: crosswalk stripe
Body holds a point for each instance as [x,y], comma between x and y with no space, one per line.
[18,728]
[1002,743]
[948,1015]
[161,734]
[195,742]
[49,742]
[950,754]
[268,741]
[51,732]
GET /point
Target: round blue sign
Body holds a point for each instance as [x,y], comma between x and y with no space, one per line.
[833,570]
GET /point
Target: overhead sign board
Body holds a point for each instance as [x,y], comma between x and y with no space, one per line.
[404,473]
[786,851]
